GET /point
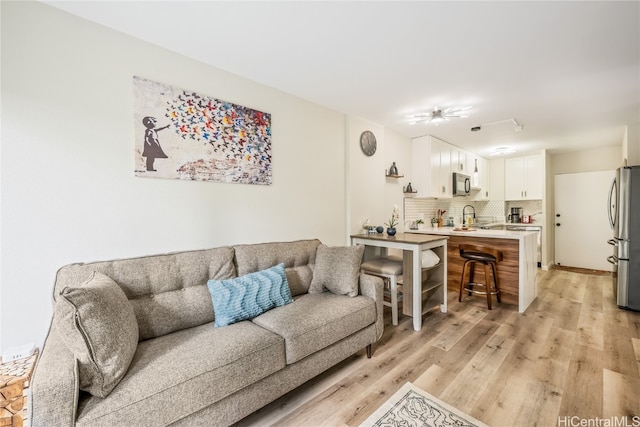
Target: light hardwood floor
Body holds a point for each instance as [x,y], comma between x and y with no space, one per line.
[573,357]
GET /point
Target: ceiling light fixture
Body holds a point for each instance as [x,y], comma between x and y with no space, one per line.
[517,126]
[437,116]
[502,151]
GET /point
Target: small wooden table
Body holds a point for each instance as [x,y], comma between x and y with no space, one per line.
[14,378]
[412,246]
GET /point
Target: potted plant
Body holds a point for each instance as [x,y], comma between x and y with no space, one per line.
[420,224]
[434,222]
[393,221]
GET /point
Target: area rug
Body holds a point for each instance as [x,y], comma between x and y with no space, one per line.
[411,406]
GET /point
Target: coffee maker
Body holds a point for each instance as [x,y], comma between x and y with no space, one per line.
[515,216]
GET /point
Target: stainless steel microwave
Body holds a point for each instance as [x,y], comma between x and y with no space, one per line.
[461,184]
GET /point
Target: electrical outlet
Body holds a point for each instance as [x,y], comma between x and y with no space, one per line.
[17,353]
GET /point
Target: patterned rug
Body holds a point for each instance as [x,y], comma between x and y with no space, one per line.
[411,406]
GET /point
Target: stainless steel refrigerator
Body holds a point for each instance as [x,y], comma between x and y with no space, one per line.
[624,217]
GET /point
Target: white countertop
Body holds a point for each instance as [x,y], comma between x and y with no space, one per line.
[495,234]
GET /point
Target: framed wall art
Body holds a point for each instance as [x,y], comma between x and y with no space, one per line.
[181,134]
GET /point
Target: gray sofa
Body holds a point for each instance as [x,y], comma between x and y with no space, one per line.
[184,371]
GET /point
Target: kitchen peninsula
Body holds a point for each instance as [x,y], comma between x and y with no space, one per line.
[516,272]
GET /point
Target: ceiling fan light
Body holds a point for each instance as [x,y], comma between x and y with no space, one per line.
[438,115]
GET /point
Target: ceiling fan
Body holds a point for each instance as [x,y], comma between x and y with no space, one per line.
[438,115]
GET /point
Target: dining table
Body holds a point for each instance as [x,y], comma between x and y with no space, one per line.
[412,245]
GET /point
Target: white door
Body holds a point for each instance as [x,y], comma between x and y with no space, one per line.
[581,222]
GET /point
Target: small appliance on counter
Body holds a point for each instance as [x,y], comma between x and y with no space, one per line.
[515,216]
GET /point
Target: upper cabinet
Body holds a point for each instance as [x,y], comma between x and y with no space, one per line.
[431,167]
[483,186]
[435,161]
[442,180]
[459,159]
[496,179]
[524,178]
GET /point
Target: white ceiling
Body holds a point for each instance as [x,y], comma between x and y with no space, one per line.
[568,71]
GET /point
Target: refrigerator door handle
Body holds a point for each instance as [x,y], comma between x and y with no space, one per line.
[611,195]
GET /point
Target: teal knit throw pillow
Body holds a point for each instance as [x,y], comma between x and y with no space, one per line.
[248,296]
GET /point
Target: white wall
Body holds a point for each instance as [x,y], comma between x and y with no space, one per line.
[370,194]
[365,176]
[396,149]
[68,189]
[631,145]
[599,159]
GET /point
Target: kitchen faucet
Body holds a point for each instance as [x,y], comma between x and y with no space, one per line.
[464,217]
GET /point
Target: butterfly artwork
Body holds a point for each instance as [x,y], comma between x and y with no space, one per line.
[204,138]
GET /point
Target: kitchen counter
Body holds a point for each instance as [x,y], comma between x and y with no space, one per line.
[491,233]
[516,272]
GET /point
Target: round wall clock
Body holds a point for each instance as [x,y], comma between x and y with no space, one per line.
[368,143]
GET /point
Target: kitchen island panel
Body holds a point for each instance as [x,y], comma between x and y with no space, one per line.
[517,272]
[508,268]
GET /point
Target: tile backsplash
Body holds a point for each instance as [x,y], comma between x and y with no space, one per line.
[426,209]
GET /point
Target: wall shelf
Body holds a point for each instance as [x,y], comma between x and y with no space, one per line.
[394,176]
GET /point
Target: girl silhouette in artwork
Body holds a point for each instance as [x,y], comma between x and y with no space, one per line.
[152,149]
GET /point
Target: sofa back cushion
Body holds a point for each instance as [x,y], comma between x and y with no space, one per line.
[98,325]
[167,292]
[298,257]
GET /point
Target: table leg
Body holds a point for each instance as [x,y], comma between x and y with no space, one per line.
[417,289]
[407,275]
[443,256]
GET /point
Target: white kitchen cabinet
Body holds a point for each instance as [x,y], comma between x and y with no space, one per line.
[483,188]
[524,178]
[431,167]
[442,180]
[497,179]
[459,161]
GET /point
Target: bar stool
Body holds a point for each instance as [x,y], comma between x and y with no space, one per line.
[388,268]
[487,256]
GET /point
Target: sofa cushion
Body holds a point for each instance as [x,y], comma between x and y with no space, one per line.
[315,321]
[97,323]
[181,373]
[168,292]
[247,296]
[298,258]
[337,269]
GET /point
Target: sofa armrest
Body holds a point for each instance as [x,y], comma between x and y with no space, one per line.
[373,287]
[54,386]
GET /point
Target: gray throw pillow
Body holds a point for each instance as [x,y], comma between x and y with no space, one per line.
[96,322]
[337,269]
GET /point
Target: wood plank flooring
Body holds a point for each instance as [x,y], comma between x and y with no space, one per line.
[573,357]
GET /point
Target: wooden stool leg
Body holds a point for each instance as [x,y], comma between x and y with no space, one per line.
[487,284]
[494,267]
[464,268]
[394,299]
[472,271]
